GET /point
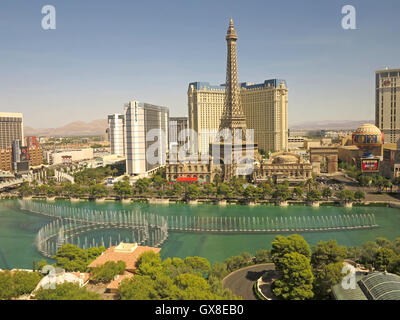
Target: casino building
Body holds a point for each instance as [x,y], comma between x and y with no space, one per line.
[366,150]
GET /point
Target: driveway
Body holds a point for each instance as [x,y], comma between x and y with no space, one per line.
[241,281]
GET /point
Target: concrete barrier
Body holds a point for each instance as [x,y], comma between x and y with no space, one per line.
[157,201]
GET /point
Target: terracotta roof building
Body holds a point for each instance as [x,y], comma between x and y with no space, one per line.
[126,252]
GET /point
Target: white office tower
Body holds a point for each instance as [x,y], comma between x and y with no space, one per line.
[116,124]
[146,133]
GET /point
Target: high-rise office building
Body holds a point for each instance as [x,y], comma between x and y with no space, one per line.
[116,123]
[264,105]
[11,128]
[177,127]
[146,133]
[387,103]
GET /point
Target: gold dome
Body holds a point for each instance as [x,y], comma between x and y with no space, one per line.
[367,135]
[368,128]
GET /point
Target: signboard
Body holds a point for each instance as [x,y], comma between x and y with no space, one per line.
[24,154]
[369,165]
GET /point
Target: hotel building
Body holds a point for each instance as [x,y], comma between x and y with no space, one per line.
[387,103]
[264,105]
[116,123]
[11,128]
[176,126]
[141,121]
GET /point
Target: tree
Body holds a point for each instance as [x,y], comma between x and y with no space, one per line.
[281,193]
[296,277]
[198,264]
[359,195]
[327,252]
[394,265]
[383,243]
[142,186]
[266,190]
[73,258]
[326,277]
[219,270]
[98,191]
[159,182]
[252,193]
[193,287]
[298,191]
[138,288]
[262,256]
[7,290]
[106,272]
[175,279]
[192,192]
[368,252]
[239,261]
[223,191]
[66,291]
[364,180]
[345,195]
[25,190]
[123,189]
[25,282]
[313,195]
[327,193]
[209,189]
[383,258]
[293,243]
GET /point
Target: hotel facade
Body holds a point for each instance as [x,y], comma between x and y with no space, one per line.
[264,105]
[142,119]
[387,103]
[11,128]
[116,124]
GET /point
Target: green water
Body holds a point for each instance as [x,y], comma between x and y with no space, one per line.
[18,229]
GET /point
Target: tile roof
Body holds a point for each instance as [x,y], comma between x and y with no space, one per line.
[129,258]
[114,284]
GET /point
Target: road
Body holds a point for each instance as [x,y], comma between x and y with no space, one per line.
[241,281]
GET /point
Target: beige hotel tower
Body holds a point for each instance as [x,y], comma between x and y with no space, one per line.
[387,103]
[264,106]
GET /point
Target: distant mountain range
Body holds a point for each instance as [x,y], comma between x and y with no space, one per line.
[77,128]
[98,127]
[329,124]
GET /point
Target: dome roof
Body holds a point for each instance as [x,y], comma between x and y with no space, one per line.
[367,135]
[285,159]
[368,128]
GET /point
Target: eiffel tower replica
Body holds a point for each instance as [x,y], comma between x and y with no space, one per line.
[233,120]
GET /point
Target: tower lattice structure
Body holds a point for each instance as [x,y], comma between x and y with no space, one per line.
[233,117]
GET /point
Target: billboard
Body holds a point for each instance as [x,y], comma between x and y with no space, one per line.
[24,154]
[370,165]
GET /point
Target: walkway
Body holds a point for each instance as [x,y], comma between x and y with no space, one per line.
[241,281]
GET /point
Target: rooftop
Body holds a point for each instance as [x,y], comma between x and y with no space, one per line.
[372,286]
[126,252]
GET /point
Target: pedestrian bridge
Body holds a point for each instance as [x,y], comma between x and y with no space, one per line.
[11,183]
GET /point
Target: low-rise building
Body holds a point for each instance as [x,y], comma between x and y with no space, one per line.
[283,166]
[126,252]
[68,156]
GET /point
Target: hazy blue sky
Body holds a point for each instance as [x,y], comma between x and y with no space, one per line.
[104,53]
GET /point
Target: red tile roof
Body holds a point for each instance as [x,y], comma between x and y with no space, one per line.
[129,258]
[114,284]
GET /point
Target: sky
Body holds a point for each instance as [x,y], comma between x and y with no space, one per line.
[103,54]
